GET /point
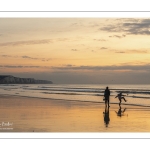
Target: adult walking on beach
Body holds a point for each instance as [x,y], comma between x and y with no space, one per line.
[120,97]
[106,96]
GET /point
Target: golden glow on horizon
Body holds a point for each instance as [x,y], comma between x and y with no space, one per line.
[49,44]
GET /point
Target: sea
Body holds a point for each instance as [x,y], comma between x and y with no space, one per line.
[93,93]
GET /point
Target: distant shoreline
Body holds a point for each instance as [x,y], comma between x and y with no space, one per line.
[9,79]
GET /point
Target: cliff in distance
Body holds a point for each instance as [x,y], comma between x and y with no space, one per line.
[8,79]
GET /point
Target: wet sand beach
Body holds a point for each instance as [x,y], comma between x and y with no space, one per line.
[23,114]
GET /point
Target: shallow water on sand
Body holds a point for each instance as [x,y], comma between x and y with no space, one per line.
[134,94]
[43,115]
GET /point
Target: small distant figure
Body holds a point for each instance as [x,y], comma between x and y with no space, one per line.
[120,113]
[106,96]
[120,97]
[106,116]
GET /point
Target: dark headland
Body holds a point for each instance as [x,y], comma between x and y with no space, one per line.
[8,79]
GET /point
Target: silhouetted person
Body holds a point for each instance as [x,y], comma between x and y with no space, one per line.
[120,112]
[106,96]
[106,116]
[120,97]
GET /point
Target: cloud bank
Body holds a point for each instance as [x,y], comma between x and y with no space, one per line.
[82,68]
[25,57]
[138,27]
[30,42]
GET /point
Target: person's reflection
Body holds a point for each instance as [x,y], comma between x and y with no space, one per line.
[120,112]
[106,116]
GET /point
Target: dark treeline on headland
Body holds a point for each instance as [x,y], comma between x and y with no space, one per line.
[8,79]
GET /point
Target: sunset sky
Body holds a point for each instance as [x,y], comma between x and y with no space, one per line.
[76,50]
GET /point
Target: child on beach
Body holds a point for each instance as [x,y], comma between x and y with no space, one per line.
[120,97]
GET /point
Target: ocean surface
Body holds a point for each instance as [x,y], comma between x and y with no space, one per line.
[93,93]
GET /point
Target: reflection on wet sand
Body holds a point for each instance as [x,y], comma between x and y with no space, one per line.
[106,116]
[22,114]
[120,112]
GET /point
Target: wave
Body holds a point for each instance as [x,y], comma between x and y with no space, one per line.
[67,90]
[75,93]
[79,89]
[140,97]
[134,92]
[82,101]
[89,90]
[63,93]
[92,90]
[8,84]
